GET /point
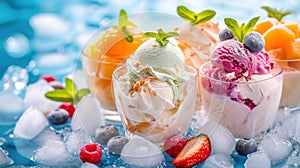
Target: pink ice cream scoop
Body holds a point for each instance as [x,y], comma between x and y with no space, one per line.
[232,57]
[233,63]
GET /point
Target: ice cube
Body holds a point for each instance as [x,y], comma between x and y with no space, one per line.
[88,115]
[140,152]
[30,124]
[26,148]
[289,127]
[15,79]
[88,165]
[276,148]
[219,160]
[222,141]
[11,107]
[17,45]
[293,161]
[258,159]
[4,159]
[35,96]
[79,78]
[76,140]
[53,153]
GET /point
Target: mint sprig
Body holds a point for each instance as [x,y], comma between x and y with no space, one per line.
[123,23]
[161,36]
[69,94]
[195,18]
[240,31]
[276,13]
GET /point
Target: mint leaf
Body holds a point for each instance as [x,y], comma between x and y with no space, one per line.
[204,16]
[161,36]
[186,14]
[71,87]
[80,94]
[233,25]
[151,34]
[69,94]
[123,18]
[127,35]
[250,25]
[277,14]
[194,18]
[240,31]
[123,23]
[59,95]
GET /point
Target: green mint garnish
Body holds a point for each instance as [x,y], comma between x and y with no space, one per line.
[194,18]
[277,14]
[240,31]
[123,23]
[69,94]
[161,36]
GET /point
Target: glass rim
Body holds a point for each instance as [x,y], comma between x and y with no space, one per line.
[285,60]
[191,69]
[278,68]
[102,61]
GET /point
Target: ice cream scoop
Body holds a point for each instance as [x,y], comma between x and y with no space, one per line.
[237,61]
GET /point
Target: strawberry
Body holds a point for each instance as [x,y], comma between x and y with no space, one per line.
[91,153]
[174,145]
[196,150]
[69,107]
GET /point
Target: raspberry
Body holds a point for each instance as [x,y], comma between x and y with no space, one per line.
[174,145]
[48,78]
[68,107]
[91,153]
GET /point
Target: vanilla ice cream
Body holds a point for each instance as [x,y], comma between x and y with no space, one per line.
[155,92]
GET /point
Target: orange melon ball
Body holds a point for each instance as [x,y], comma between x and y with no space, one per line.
[263,26]
[277,36]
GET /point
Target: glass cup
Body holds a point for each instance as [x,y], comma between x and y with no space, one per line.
[100,56]
[247,109]
[291,83]
[151,112]
[98,72]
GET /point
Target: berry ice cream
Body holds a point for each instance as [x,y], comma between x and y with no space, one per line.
[242,88]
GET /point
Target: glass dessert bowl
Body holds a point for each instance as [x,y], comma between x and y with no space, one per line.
[156,91]
[241,86]
[109,48]
[245,108]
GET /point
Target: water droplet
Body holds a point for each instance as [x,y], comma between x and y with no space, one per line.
[17,45]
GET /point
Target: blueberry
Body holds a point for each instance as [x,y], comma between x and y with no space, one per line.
[246,146]
[105,132]
[116,144]
[58,116]
[225,34]
[254,41]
